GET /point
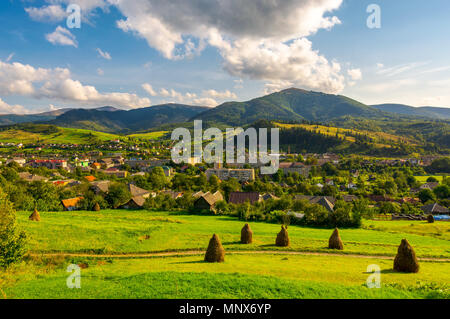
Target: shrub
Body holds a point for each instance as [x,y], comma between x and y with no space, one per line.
[12,240]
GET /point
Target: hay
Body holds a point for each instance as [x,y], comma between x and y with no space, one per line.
[246,235]
[35,216]
[406,260]
[282,238]
[335,241]
[96,207]
[430,219]
[215,252]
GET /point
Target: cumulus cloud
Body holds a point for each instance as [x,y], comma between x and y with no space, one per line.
[5,108]
[62,36]
[103,54]
[355,74]
[149,89]
[26,80]
[51,13]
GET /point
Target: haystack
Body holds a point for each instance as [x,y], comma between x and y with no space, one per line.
[96,207]
[35,216]
[246,235]
[215,252]
[282,238]
[430,219]
[335,241]
[406,260]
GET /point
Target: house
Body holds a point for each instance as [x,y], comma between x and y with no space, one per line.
[136,202]
[269,196]
[19,160]
[172,194]
[349,198]
[115,172]
[434,209]
[297,167]
[90,178]
[241,197]
[96,165]
[50,164]
[430,186]
[138,192]
[71,203]
[32,177]
[326,201]
[380,198]
[242,175]
[207,201]
[100,187]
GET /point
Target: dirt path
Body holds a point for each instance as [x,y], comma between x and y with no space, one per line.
[233,252]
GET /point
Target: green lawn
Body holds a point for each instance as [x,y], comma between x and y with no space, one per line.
[245,274]
[241,276]
[141,231]
[423,179]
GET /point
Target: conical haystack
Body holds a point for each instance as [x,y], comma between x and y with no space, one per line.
[282,238]
[96,207]
[430,218]
[335,241]
[35,216]
[406,260]
[246,235]
[215,252]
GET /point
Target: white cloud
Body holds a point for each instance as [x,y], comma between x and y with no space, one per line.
[149,89]
[9,58]
[51,13]
[399,69]
[5,108]
[103,54]
[220,95]
[100,72]
[62,36]
[28,81]
[355,74]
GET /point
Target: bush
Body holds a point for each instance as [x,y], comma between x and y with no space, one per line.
[12,240]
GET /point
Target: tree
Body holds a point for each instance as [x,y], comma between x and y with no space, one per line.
[426,195]
[432,179]
[118,194]
[12,240]
[442,191]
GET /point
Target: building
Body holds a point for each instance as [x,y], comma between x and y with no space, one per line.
[136,202]
[207,201]
[71,203]
[32,177]
[326,201]
[138,192]
[430,186]
[50,164]
[434,209]
[100,187]
[241,198]
[19,160]
[297,167]
[242,175]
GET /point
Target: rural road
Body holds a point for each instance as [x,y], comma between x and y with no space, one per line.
[199,252]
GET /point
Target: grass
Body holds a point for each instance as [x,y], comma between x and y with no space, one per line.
[241,276]
[423,179]
[150,135]
[122,231]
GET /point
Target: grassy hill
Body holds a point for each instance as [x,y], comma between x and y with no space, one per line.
[440,113]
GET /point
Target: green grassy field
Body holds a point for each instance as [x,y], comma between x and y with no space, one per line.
[246,273]
[121,231]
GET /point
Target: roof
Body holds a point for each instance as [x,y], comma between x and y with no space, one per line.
[434,208]
[240,197]
[138,200]
[71,202]
[32,177]
[325,201]
[349,198]
[137,191]
[211,199]
[269,196]
[431,185]
[102,185]
[90,178]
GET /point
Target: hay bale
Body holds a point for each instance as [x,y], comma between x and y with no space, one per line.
[282,238]
[35,216]
[335,241]
[406,260]
[246,235]
[215,252]
[96,207]
[430,218]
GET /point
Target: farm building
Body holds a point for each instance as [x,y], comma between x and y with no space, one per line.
[241,198]
[434,209]
[135,202]
[71,203]
[207,201]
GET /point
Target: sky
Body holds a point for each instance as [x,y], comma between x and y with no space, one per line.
[132,54]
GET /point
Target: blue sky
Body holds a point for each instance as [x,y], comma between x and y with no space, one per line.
[203,52]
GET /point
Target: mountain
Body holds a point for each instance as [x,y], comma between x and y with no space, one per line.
[10,119]
[127,121]
[289,105]
[440,113]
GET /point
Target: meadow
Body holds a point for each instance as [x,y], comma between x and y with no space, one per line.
[95,240]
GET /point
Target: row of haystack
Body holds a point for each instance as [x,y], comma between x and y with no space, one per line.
[405,261]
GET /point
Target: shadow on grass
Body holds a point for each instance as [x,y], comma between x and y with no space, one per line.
[384,271]
[190,262]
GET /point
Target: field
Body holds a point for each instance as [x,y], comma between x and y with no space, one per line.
[123,253]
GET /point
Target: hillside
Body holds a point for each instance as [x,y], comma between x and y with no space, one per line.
[127,121]
[440,113]
[289,105]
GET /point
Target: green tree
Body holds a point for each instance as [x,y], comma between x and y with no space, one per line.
[426,195]
[118,194]
[12,240]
